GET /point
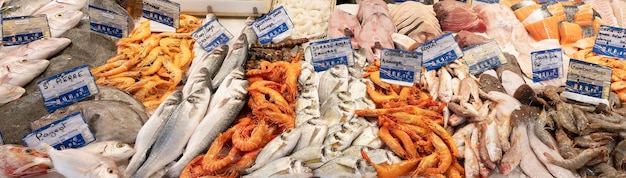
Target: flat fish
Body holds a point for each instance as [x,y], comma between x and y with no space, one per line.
[115,94]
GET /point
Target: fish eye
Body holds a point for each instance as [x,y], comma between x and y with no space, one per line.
[110,171]
[28,150]
[59,15]
[23,60]
[119,145]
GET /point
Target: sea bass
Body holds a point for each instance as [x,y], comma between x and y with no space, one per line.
[41,49]
[236,58]
[150,131]
[20,72]
[277,148]
[116,151]
[211,61]
[180,125]
[20,161]
[76,163]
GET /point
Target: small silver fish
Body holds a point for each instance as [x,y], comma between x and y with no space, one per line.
[316,156]
[346,166]
[369,137]
[236,58]
[313,133]
[334,80]
[379,156]
[277,148]
[349,131]
[283,167]
[355,150]
[117,151]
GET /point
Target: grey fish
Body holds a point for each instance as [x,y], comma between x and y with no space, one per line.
[570,11]
[313,133]
[216,121]
[588,31]
[346,166]
[276,148]
[115,94]
[23,8]
[196,82]
[150,131]
[180,125]
[316,156]
[108,120]
[283,167]
[212,62]
[250,35]
[236,58]
[521,4]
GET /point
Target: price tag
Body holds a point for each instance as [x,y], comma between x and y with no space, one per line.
[610,41]
[483,56]
[69,132]
[328,53]
[400,67]
[440,51]
[108,22]
[24,29]
[588,82]
[67,88]
[162,11]
[271,25]
[547,65]
[211,35]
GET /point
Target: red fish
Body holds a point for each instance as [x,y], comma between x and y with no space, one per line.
[19,161]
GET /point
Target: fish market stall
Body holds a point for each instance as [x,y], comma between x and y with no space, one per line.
[292,88]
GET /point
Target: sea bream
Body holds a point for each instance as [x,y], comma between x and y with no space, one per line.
[313,133]
[78,163]
[40,49]
[276,148]
[283,167]
[20,161]
[346,166]
[116,151]
[236,58]
[150,131]
[316,155]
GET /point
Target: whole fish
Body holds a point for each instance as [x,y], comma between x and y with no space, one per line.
[62,21]
[355,150]
[41,49]
[315,156]
[236,58]
[211,62]
[9,92]
[333,80]
[283,167]
[235,79]
[116,151]
[180,125]
[307,105]
[150,131]
[20,161]
[196,81]
[115,94]
[276,148]
[22,8]
[108,120]
[346,166]
[369,137]
[216,121]
[338,108]
[250,35]
[313,133]
[78,163]
[379,156]
[20,72]
[58,6]
[343,138]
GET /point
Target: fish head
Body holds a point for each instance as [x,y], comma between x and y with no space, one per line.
[222,50]
[121,149]
[65,19]
[300,168]
[107,169]
[330,152]
[23,161]
[57,6]
[9,92]
[365,169]
[21,71]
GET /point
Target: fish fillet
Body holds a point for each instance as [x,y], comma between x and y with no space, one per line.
[619,10]
[416,20]
[603,7]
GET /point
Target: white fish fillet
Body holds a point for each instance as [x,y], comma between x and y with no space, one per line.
[603,7]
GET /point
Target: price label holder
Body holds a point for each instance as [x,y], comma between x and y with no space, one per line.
[588,82]
[440,51]
[272,25]
[24,29]
[67,88]
[162,11]
[108,22]
[611,42]
[547,64]
[326,54]
[68,132]
[400,67]
[483,56]
[211,35]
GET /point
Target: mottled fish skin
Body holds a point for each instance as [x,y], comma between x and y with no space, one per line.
[521,4]
[236,58]
[570,11]
[150,131]
[588,31]
[276,148]
[171,141]
[346,166]
[316,156]
[283,167]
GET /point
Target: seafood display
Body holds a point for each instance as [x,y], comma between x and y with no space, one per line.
[308,17]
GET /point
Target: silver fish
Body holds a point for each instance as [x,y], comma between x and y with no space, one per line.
[236,58]
[150,131]
[346,166]
[306,114]
[307,75]
[180,125]
[22,8]
[313,133]
[369,137]
[235,79]
[116,151]
[333,80]
[316,156]
[350,130]
[196,81]
[251,36]
[216,121]
[355,150]
[338,108]
[283,167]
[211,61]
[379,156]
[78,163]
[115,94]
[20,71]
[278,147]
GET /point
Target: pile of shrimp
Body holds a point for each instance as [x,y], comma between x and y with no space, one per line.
[273,52]
[410,125]
[150,65]
[273,89]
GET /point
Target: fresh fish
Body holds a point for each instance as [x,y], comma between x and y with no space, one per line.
[306,114]
[278,147]
[505,105]
[62,21]
[369,137]
[334,80]
[619,11]
[197,81]
[445,85]
[380,156]
[346,166]
[20,161]
[9,92]
[179,127]
[78,163]
[472,160]
[490,137]
[250,35]
[150,131]
[283,167]
[530,164]
[315,156]
[41,49]
[338,109]
[343,138]
[211,62]
[236,58]
[355,150]
[115,94]
[116,151]
[22,8]
[307,105]
[358,91]
[541,150]
[460,134]
[57,6]
[216,121]
[235,79]
[313,133]
[108,120]
[20,72]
